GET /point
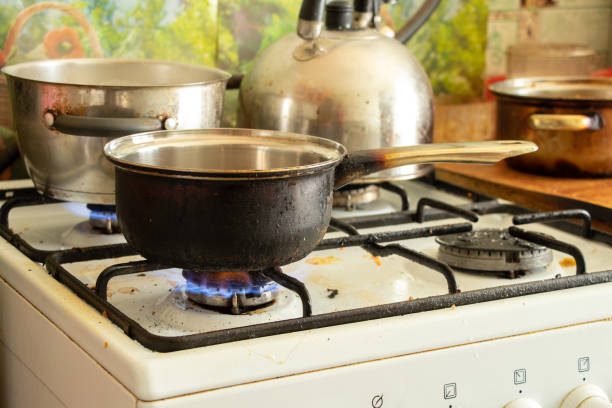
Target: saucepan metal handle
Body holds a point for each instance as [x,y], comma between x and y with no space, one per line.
[360,163]
[106,127]
[567,122]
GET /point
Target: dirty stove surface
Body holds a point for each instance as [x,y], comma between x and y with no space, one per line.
[350,290]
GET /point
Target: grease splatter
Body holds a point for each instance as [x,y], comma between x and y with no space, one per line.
[323,260]
[128,290]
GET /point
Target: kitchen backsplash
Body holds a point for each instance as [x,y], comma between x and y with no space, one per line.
[546,21]
[227,33]
[464,41]
[462,44]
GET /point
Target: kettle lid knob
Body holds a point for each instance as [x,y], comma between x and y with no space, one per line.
[338,15]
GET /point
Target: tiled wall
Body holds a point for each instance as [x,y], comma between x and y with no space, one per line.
[546,21]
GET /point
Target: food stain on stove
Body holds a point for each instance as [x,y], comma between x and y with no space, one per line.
[321,279]
[128,290]
[567,262]
[260,310]
[332,293]
[376,259]
[323,260]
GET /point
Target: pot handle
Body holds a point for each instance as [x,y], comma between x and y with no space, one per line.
[106,127]
[573,123]
[363,162]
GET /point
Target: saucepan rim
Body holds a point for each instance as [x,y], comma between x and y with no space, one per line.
[22,71]
[567,89]
[118,151]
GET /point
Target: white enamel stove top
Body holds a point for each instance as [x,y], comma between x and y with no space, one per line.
[357,355]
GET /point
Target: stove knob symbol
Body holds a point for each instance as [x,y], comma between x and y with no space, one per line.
[377,401]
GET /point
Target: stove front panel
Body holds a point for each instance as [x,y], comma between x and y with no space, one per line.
[541,366]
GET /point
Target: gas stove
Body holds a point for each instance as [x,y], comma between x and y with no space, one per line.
[428,296]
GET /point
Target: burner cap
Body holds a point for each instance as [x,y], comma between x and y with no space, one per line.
[492,250]
[230,292]
[351,196]
[104,218]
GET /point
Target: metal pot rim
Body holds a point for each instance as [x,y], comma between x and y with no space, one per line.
[16,71]
[566,89]
[118,151]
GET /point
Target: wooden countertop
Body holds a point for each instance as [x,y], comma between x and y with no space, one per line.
[534,191]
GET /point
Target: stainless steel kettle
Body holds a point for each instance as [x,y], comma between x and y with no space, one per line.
[345,81]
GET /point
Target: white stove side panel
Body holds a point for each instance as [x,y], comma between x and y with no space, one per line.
[72,375]
[19,387]
[543,366]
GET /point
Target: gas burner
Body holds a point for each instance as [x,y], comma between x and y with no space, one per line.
[230,292]
[104,218]
[350,197]
[492,251]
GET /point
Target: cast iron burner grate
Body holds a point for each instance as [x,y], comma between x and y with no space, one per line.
[26,197]
[372,243]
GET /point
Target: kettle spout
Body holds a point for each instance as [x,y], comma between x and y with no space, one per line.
[310,22]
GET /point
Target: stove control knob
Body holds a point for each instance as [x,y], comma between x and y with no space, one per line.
[586,396]
[523,403]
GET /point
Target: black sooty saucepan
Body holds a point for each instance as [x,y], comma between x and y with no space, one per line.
[242,199]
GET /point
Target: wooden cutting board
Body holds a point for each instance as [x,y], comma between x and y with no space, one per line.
[534,191]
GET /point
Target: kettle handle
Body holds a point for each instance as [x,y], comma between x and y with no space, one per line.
[310,20]
[417,20]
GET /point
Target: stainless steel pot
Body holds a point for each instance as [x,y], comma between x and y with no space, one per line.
[568,118]
[242,199]
[65,111]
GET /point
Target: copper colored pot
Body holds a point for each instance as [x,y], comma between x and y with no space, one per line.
[569,119]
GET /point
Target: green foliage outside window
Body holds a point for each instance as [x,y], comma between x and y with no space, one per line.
[451,46]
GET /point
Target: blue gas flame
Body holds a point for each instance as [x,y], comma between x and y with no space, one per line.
[231,287]
[103,215]
[81,210]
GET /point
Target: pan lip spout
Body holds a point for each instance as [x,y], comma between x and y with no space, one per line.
[121,152]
